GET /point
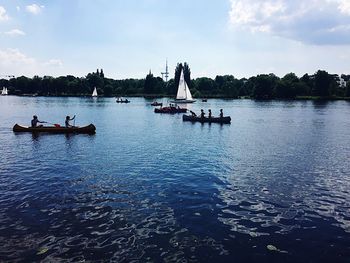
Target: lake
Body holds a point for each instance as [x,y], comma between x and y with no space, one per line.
[272,186]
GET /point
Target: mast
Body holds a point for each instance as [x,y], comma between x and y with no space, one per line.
[166,73]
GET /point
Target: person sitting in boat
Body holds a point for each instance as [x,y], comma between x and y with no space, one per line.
[209,113]
[202,113]
[221,114]
[68,119]
[35,122]
[193,114]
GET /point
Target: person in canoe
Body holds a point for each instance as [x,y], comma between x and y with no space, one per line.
[202,113]
[68,119]
[221,114]
[209,113]
[35,122]
[193,114]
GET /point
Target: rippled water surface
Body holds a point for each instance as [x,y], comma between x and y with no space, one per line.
[273,186]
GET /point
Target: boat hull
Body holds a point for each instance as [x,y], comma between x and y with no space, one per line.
[89,129]
[182,101]
[223,120]
[170,110]
[156,104]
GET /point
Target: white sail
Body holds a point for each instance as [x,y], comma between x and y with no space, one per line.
[94,93]
[183,92]
[4,91]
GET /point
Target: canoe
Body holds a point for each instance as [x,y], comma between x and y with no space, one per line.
[170,110]
[226,119]
[155,103]
[122,101]
[90,129]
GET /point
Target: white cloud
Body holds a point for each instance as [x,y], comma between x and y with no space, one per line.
[309,21]
[15,32]
[12,57]
[3,14]
[54,62]
[18,8]
[15,62]
[34,9]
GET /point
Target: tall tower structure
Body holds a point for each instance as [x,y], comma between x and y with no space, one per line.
[166,73]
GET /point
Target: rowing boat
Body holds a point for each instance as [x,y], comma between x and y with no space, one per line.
[226,119]
[170,110]
[90,129]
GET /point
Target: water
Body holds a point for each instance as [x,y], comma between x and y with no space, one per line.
[273,186]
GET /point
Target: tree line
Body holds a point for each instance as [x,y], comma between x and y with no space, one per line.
[263,86]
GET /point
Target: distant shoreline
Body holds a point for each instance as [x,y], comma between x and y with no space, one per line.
[155,96]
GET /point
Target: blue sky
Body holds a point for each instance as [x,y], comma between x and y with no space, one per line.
[215,37]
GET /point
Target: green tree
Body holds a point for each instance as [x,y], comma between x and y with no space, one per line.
[263,86]
[322,83]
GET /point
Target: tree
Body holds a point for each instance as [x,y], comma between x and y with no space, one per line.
[322,83]
[263,86]
[287,86]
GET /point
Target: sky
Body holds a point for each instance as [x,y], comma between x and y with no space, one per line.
[126,39]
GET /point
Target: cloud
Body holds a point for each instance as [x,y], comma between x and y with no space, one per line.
[317,22]
[18,8]
[34,9]
[13,57]
[54,62]
[15,32]
[3,14]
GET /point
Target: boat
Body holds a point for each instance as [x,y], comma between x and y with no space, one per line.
[120,100]
[204,100]
[4,91]
[222,120]
[183,92]
[89,129]
[155,103]
[170,110]
[94,93]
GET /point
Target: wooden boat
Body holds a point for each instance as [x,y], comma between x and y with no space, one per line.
[170,110]
[155,103]
[89,129]
[226,119]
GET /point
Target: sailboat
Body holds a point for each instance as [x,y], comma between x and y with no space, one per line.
[94,93]
[4,91]
[183,92]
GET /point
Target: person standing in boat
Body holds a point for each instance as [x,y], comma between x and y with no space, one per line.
[68,119]
[209,113]
[202,113]
[221,114]
[35,122]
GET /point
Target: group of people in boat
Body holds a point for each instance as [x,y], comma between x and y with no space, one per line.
[202,114]
[35,121]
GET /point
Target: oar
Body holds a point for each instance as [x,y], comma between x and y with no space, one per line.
[54,124]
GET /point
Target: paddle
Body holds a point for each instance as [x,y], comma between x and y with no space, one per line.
[54,124]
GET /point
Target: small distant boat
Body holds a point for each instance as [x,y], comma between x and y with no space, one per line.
[94,93]
[4,91]
[170,110]
[89,129]
[155,103]
[226,119]
[120,100]
[204,100]
[183,92]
